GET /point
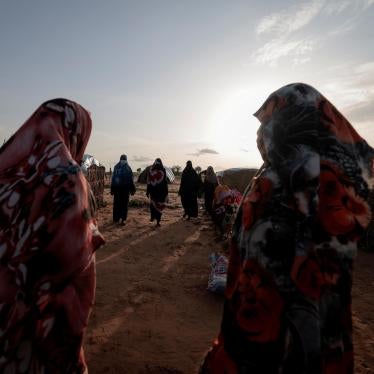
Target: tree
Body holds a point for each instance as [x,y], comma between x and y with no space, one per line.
[176,169]
[198,169]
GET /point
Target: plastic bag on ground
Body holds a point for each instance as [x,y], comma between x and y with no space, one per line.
[218,275]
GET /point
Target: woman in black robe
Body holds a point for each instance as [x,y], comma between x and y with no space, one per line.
[121,187]
[210,184]
[157,190]
[188,191]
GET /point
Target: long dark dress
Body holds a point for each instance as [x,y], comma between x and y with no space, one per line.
[157,189]
[188,191]
[121,197]
[121,188]
[288,296]
[209,189]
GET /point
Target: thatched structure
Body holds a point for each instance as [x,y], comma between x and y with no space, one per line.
[237,178]
[96,178]
[95,175]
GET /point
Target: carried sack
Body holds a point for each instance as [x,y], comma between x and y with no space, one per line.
[218,275]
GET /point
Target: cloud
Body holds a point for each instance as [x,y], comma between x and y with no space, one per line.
[366,3]
[361,112]
[141,159]
[244,150]
[365,68]
[336,7]
[285,33]
[352,90]
[203,152]
[300,60]
[290,20]
[283,25]
[272,51]
[343,28]
[354,9]
[360,88]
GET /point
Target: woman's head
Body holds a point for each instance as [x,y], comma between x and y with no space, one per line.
[158,163]
[298,114]
[210,170]
[300,128]
[71,121]
[288,118]
[58,127]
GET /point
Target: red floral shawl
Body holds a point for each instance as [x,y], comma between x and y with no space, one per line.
[48,238]
[288,296]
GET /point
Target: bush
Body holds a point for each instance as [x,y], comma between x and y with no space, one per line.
[136,203]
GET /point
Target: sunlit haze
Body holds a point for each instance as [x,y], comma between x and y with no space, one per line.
[181,79]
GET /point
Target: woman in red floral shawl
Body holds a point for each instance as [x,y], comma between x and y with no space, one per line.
[157,190]
[48,238]
[288,296]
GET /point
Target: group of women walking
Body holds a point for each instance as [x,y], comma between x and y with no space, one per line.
[122,185]
[192,187]
[288,296]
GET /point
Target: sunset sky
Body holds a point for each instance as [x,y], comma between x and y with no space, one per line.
[181,79]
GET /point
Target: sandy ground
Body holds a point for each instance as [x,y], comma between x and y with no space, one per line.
[153,313]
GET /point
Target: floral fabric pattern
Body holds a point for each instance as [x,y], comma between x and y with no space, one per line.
[288,297]
[225,206]
[48,238]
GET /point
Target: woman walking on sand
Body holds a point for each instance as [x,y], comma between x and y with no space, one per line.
[288,295]
[121,187]
[157,190]
[48,239]
[188,191]
[209,186]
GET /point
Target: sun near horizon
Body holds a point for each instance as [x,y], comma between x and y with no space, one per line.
[182,80]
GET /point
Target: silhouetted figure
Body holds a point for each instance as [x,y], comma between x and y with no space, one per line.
[188,190]
[121,187]
[209,186]
[288,295]
[157,190]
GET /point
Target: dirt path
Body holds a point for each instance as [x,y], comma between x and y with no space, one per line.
[363,312]
[153,313]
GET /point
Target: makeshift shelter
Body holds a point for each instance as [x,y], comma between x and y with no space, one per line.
[142,178]
[238,178]
[95,175]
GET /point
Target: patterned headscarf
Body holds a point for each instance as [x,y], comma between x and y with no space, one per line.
[48,236]
[288,294]
[302,135]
